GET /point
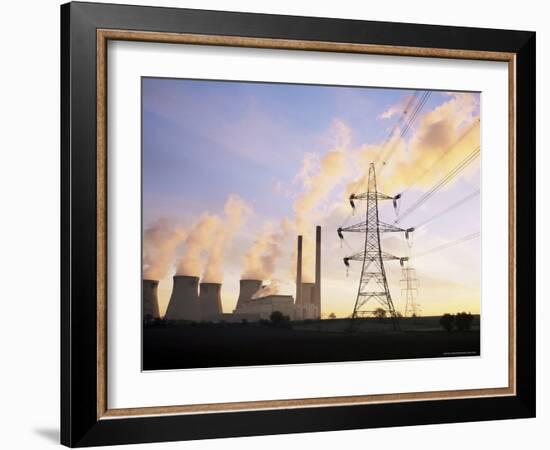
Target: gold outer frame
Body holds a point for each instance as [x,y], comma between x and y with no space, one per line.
[104,35]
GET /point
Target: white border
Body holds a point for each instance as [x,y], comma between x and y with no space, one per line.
[128,387]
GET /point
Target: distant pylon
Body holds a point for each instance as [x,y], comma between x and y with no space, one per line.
[373,284]
[409,290]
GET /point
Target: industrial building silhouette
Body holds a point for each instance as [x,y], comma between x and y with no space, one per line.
[194,301]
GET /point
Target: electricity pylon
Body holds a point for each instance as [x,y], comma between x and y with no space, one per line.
[409,287]
[373,284]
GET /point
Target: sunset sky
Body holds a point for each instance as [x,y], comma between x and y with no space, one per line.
[233,171]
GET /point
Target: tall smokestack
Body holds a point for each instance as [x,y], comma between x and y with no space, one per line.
[150,300]
[317,295]
[184,302]
[247,289]
[308,293]
[299,273]
[210,300]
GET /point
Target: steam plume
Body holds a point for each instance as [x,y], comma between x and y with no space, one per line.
[160,241]
[259,261]
[198,242]
[317,185]
[271,289]
[236,212]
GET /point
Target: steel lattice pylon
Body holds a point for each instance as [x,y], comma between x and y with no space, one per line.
[373,284]
[409,287]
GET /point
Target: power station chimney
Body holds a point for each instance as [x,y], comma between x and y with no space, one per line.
[150,300]
[298,300]
[184,302]
[308,293]
[210,300]
[247,289]
[317,294]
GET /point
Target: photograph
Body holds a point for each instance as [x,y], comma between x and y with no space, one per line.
[299,223]
[278,223]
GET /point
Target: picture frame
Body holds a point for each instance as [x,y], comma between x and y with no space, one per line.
[86,418]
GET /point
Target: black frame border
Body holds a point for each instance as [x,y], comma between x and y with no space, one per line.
[79,423]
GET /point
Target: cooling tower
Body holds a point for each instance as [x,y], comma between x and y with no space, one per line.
[247,289]
[150,300]
[184,302]
[210,300]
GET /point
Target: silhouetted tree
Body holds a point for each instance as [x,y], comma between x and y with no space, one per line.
[332,316]
[463,321]
[379,313]
[447,321]
[279,319]
[276,317]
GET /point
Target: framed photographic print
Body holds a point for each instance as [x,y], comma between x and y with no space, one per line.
[276,224]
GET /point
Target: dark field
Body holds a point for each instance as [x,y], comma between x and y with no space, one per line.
[222,345]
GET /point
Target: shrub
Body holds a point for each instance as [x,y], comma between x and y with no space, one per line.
[379,313]
[463,321]
[278,319]
[332,316]
[447,321]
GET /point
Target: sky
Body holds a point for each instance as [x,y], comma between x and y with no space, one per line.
[234,171]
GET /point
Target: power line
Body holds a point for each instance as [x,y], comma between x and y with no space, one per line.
[448,209]
[445,153]
[412,118]
[397,124]
[458,241]
[441,183]
[418,108]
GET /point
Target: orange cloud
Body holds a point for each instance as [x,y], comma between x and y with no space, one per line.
[236,212]
[445,135]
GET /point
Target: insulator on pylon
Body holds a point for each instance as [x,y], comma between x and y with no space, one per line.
[407,231]
[340,235]
[346,262]
[395,204]
[402,261]
[351,202]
